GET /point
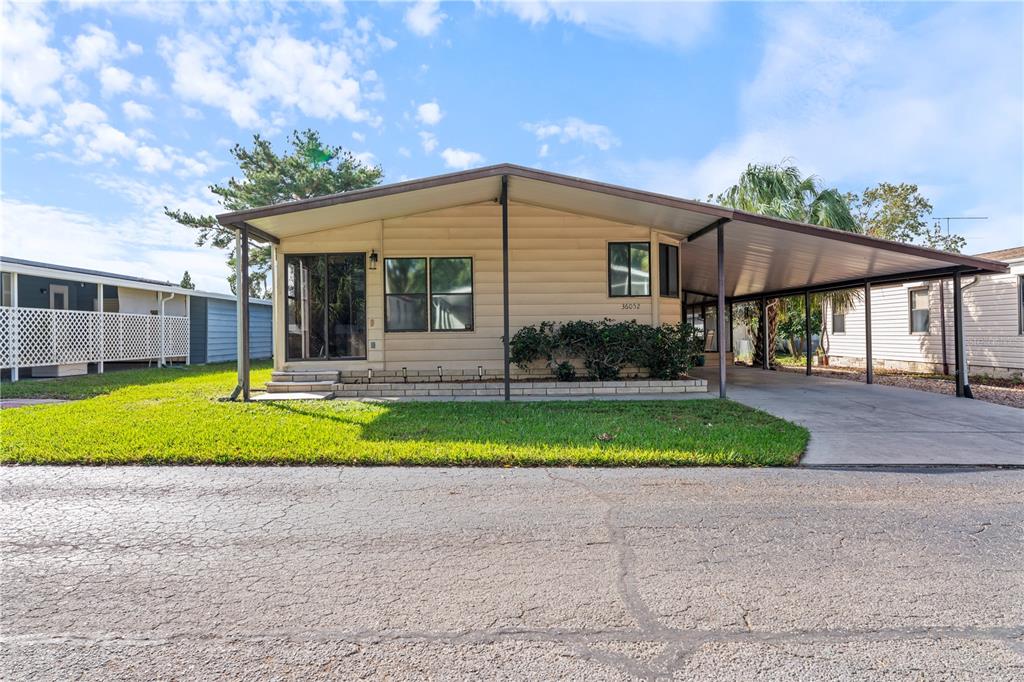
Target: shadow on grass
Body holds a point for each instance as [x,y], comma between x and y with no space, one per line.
[92,385]
[703,429]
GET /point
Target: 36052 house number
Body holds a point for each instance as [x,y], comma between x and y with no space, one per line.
[631,306]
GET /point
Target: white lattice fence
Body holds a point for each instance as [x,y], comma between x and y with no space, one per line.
[32,337]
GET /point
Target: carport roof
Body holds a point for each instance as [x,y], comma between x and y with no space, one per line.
[762,254]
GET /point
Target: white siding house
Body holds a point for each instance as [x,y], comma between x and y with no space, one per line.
[912,324]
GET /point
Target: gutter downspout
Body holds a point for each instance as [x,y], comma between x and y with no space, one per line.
[163,328]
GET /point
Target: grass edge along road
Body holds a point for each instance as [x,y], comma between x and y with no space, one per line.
[173,416]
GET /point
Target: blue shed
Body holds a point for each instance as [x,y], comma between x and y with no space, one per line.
[214,329]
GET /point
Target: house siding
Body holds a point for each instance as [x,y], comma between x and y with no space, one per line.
[558,271]
[991,327]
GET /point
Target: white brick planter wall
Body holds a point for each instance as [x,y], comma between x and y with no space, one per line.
[553,389]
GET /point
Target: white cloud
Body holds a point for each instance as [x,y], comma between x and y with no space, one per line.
[149,246]
[424,17]
[429,113]
[201,74]
[114,80]
[674,24]
[358,137]
[404,151]
[460,158]
[429,141]
[574,129]
[543,151]
[134,111]
[315,78]
[93,48]
[30,67]
[386,43]
[82,114]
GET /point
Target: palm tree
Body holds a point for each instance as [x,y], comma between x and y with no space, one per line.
[781,191]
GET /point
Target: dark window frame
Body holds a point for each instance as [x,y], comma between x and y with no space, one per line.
[425,295]
[431,294]
[629,275]
[835,329]
[910,308]
[664,282]
[327,356]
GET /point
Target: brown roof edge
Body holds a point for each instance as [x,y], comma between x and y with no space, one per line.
[985,264]
[514,170]
[465,176]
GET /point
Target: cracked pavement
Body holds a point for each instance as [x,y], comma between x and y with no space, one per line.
[337,573]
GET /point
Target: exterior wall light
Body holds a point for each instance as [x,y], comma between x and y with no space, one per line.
[374,257]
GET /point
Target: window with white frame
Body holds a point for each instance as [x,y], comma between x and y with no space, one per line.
[629,269]
[838,322]
[1020,304]
[919,311]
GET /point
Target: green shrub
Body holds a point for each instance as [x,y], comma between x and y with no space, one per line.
[605,347]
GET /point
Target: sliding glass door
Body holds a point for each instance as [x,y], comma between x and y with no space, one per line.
[325,306]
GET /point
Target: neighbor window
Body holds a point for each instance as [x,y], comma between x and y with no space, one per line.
[419,298]
[629,269]
[919,311]
[838,323]
[668,269]
[405,294]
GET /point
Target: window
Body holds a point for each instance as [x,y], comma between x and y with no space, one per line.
[419,299]
[838,323]
[405,294]
[629,269]
[1020,304]
[919,311]
[451,294]
[668,269]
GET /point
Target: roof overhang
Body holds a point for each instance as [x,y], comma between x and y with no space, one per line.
[762,254]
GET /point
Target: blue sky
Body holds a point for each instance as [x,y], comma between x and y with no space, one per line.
[113,110]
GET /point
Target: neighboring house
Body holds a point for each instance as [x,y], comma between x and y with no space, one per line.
[52,321]
[429,278]
[912,323]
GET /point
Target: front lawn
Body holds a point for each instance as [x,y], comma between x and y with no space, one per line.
[172,416]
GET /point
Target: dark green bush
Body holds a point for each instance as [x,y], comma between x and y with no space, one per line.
[605,347]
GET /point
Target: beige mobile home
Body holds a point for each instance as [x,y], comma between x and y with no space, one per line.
[913,323]
[429,278]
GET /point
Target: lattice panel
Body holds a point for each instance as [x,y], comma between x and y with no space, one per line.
[39,336]
[7,340]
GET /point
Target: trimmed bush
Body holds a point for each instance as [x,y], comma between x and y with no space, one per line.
[605,347]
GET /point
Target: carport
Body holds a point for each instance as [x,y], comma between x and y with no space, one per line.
[727,257]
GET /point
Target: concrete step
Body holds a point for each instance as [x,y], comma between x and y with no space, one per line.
[295,395]
[300,386]
[278,376]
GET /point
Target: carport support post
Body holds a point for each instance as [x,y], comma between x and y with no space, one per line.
[869,365]
[15,329]
[103,345]
[963,386]
[764,332]
[242,314]
[720,316]
[807,329]
[504,286]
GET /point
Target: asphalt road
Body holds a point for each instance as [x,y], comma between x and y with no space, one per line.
[198,573]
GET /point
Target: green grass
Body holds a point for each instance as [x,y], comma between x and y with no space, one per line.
[173,416]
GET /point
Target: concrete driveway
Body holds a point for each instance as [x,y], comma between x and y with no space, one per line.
[856,424]
[331,573]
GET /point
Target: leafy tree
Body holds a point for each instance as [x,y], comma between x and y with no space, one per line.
[782,191]
[309,169]
[186,281]
[899,212]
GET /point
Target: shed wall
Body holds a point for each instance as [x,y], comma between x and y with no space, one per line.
[221,330]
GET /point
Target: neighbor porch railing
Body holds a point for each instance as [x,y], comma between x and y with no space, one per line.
[34,337]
